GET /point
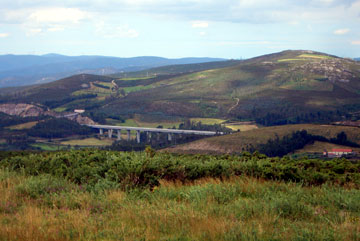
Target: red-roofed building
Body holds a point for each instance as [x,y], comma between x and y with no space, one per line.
[338,152]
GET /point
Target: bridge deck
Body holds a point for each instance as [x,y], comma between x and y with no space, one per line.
[158,130]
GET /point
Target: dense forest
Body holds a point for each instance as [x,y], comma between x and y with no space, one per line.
[58,128]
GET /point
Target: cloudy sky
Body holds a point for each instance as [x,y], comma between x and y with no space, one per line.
[179,28]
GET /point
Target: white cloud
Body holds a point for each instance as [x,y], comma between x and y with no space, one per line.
[110,31]
[33,31]
[200,24]
[125,32]
[237,43]
[39,21]
[4,35]
[56,28]
[356,42]
[248,11]
[341,31]
[57,15]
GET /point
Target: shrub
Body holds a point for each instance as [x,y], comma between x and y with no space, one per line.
[42,185]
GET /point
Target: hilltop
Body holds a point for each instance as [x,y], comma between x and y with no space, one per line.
[281,88]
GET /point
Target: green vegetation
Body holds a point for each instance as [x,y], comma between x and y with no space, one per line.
[208,121]
[145,170]
[136,78]
[10,120]
[289,60]
[175,69]
[48,146]
[60,109]
[100,195]
[57,128]
[136,88]
[88,142]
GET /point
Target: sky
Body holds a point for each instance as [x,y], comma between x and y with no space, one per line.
[235,29]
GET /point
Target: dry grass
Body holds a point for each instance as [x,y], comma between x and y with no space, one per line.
[315,56]
[237,141]
[23,126]
[318,146]
[209,209]
[208,121]
[242,127]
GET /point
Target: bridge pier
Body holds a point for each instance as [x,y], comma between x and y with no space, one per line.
[110,132]
[148,136]
[138,137]
[101,132]
[119,135]
[128,135]
[169,137]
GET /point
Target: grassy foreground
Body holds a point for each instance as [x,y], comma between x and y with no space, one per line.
[95,195]
[46,208]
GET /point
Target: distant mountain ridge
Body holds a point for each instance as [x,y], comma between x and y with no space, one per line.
[294,86]
[357,59]
[20,70]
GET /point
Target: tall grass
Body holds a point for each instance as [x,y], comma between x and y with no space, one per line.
[45,207]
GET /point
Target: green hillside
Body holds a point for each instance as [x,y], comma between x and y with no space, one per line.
[177,69]
[290,84]
[281,88]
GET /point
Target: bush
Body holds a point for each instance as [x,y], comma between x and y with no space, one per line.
[42,185]
[101,170]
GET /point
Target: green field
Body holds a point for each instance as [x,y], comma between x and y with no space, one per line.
[137,88]
[88,142]
[208,121]
[48,147]
[135,78]
[60,109]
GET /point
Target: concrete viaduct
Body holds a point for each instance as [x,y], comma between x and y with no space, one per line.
[170,132]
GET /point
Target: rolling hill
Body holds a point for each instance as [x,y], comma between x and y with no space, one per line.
[239,142]
[18,70]
[280,88]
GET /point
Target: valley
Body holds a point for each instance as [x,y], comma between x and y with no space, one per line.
[285,88]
